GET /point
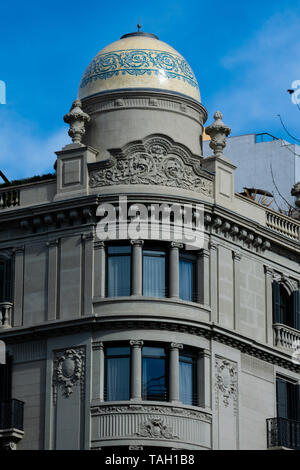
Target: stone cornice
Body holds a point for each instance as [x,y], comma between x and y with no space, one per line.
[210,331]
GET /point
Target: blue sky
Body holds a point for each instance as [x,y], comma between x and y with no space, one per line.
[245,55]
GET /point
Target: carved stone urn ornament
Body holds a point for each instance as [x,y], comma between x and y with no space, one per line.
[218,131]
[77,119]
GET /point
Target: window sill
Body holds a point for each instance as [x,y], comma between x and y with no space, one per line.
[142,298]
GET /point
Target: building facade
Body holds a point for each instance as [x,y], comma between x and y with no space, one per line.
[264,162]
[141,341]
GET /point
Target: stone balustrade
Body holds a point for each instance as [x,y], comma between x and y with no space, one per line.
[6,314]
[283,224]
[9,198]
[286,337]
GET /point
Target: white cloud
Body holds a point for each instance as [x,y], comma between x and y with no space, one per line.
[263,68]
[23,151]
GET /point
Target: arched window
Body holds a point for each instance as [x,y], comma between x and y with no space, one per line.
[285,306]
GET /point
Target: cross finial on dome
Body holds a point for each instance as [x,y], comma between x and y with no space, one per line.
[139,26]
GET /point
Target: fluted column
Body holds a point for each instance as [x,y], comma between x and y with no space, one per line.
[136,369]
[204,379]
[174,270]
[99,269]
[174,371]
[137,267]
[18,285]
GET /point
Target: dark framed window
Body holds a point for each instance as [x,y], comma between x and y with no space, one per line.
[118,280]
[187,277]
[5,280]
[288,399]
[154,374]
[187,378]
[154,273]
[117,373]
[285,306]
[6,379]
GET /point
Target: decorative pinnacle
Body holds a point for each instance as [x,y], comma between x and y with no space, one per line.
[139,26]
[77,120]
[296,192]
[218,131]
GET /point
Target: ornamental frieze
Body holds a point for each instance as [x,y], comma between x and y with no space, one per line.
[143,62]
[156,428]
[157,161]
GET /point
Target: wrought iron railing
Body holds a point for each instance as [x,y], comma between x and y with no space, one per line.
[12,414]
[282,432]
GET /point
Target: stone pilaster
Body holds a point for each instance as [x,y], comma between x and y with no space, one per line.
[88,244]
[214,285]
[99,269]
[203,294]
[204,379]
[52,279]
[269,275]
[18,285]
[98,372]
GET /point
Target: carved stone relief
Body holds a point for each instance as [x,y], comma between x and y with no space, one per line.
[226,382]
[69,371]
[154,161]
[156,428]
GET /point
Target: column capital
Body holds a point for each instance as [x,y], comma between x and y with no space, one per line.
[137,242]
[176,346]
[268,271]
[87,236]
[97,345]
[136,343]
[212,246]
[176,245]
[18,249]
[52,243]
[99,244]
[236,256]
[204,353]
[203,253]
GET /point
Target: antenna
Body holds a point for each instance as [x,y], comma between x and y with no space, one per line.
[139,27]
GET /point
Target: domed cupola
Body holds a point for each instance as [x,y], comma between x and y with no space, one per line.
[139,61]
[137,87]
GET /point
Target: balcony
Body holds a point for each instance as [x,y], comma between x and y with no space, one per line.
[5,315]
[283,433]
[11,423]
[286,337]
[283,224]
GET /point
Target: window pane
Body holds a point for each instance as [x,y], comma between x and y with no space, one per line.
[119,275]
[117,378]
[186,382]
[154,375]
[117,250]
[154,274]
[147,351]
[122,351]
[186,277]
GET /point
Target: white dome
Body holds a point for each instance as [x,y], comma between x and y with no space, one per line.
[139,61]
